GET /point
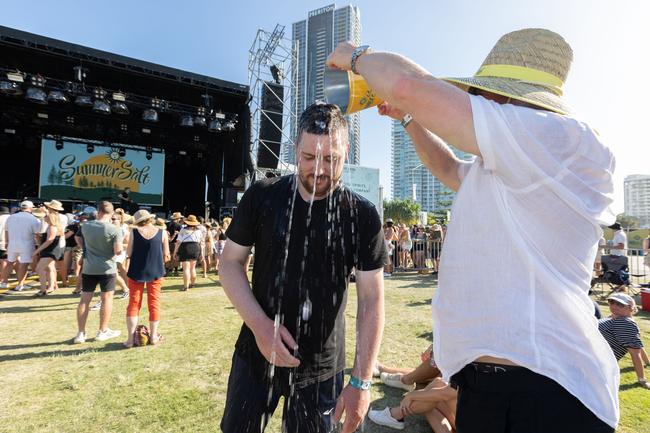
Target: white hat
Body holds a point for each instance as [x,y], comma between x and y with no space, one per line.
[54,205]
[142,215]
[622,298]
[26,205]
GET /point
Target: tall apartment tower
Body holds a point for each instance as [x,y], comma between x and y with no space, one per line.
[637,197]
[407,170]
[315,38]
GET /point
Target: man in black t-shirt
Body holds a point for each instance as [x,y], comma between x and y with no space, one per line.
[308,231]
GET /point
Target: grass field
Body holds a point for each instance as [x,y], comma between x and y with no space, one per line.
[50,385]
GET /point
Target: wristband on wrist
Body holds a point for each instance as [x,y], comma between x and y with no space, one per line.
[406,120]
[357,383]
[355,56]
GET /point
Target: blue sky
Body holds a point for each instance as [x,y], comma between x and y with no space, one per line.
[449,38]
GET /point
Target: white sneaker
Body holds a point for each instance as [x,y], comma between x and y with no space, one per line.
[383,417]
[18,288]
[97,306]
[80,338]
[109,333]
[4,285]
[395,380]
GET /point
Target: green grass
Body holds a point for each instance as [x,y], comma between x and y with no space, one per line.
[50,385]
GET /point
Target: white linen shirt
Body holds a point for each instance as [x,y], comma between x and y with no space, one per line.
[619,238]
[22,226]
[518,256]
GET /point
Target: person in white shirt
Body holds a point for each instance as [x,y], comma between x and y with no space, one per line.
[20,231]
[619,241]
[513,323]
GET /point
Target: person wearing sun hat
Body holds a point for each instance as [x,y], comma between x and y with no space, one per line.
[623,334]
[512,316]
[187,250]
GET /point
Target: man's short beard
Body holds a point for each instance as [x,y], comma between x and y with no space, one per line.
[309,181]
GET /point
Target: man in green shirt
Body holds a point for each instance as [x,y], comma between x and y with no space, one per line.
[101,241]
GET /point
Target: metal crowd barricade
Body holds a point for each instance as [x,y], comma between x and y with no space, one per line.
[421,255]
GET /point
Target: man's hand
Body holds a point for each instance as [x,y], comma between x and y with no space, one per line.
[405,405]
[275,345]
[354,402]
[385,109]
[341,57]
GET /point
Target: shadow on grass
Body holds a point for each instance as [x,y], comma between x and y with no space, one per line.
[38,309]
[419,303]
[110,347]
[25,346]
[426,335]
[628,386]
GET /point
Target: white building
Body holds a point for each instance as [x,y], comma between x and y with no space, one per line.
[315,38]
[637,198]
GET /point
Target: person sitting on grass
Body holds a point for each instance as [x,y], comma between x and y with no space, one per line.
[623,334]
[437,402]
[407,378]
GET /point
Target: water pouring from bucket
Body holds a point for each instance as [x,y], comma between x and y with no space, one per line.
[349,91]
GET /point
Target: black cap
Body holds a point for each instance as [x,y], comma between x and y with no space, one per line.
[615,226]
[4,210]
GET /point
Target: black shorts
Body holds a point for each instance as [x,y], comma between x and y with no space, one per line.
[249,405]
[106,283]
[519,401]
[3,254]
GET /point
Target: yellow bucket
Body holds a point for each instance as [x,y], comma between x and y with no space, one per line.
[348,90]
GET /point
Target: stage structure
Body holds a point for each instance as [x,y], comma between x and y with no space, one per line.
[271,61]
[136,121]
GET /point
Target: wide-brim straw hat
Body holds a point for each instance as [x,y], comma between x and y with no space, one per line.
[39,213]
[192,221]
[530,65]
[177,216]
[54,205]
[142,215]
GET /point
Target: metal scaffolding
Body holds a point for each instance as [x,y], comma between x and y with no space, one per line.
[272,50]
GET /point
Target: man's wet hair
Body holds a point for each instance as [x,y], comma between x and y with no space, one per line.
[321,119]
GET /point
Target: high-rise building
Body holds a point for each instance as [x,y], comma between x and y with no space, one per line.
[637,198]
[411,178]
[315,38]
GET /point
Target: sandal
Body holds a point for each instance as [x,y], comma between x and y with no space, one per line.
[40,294]
[184,289]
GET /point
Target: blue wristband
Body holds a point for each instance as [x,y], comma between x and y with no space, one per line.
[357,383]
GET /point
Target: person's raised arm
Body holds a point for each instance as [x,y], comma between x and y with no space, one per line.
[273,339]
[354,402]
[438,106]
[434,153]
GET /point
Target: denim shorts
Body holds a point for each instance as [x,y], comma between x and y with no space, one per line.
[252,398]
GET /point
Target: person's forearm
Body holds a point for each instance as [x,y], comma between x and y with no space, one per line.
[237,288]
[637,361]
[370,325]
[436,156]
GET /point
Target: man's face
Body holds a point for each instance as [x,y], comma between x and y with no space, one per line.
[320,161]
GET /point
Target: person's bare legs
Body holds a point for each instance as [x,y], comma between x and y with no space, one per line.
[192,266]
[6,271]
[121,278]
[105,310]
[187,275]
[51,283]
[131,324]
[21,272]
[420,374]
[43,273]
[439,422]
[82,310]
[153,331]
[65,268]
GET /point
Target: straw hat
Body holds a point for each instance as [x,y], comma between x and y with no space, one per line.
[530,65]
[54,205]
[160,223]
[177,216]
[142,215]
[192,221]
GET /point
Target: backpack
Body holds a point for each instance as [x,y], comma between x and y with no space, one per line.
[141,336]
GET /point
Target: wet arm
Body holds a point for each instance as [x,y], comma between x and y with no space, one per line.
[370,321]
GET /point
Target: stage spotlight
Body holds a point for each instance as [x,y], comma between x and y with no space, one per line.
[36,95]
[10,88]
[101,106]
[69,120]
[122,152]
[149,153]
[214,125]
[119,104]
[277,74]
[150,115]
[57,96]
[187,121]
[58,144]
[229,125]
[90,148]
[84,100]
[200,121]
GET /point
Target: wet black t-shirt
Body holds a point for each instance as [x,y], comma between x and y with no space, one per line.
[305,284]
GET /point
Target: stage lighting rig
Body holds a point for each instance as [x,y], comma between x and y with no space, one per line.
[277,74]
[187,121]
[57,96]
[58,143]
[214,125]
[35,93]
[101,105]
[149,153]
[121,152]
[119,103]
[90,148]
[200,120]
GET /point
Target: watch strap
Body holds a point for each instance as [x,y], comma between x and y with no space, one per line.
[358,51]
[406,120]
[363,385]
